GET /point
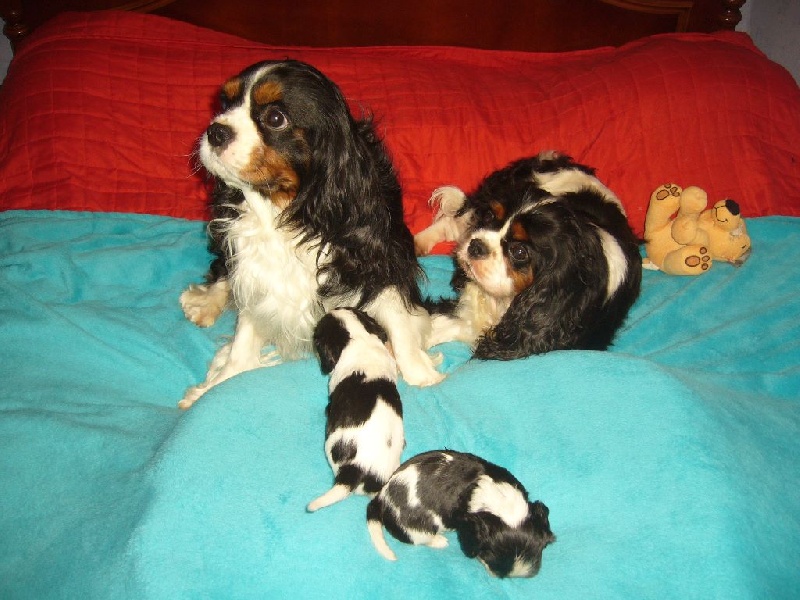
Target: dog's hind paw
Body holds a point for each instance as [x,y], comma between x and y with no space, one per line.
[192,395]
[204,303]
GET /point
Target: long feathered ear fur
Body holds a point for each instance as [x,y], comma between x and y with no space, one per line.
[472,530]
[562,307]
[223,200]
[350,199]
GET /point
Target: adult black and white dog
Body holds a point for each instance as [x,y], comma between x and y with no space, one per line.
[545,260]
[485,504]
[364,437]
[307,216]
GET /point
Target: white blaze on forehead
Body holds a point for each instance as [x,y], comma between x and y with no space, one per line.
[236,156]
[573,180]
[617,263]
[500,499]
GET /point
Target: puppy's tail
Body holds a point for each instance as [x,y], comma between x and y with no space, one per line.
[375,529]
[336,494]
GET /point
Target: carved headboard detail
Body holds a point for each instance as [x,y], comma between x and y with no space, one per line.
[530,25]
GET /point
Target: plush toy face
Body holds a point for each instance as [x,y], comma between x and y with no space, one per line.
[727,233]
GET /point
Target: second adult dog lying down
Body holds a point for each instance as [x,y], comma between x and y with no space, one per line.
[545,260]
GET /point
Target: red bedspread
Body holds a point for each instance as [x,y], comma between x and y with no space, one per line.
[101,111]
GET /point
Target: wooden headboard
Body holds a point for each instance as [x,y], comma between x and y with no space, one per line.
[531,25]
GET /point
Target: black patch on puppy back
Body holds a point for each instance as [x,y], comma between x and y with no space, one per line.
[343,451]
[410,517]
[443,482]
[352,402]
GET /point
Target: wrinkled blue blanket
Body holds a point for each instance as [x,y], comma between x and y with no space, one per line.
[671,464]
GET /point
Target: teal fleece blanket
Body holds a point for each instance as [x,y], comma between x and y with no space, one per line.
[669,463]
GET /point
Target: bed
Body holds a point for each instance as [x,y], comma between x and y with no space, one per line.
[669,463]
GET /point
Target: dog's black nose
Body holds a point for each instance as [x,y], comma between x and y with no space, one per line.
[477,249]
[219,135]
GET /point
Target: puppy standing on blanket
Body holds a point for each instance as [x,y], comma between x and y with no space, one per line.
[364,436]
[484,503]
[545,260]
[307,217]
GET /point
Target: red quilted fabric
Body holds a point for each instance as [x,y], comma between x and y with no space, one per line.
[100,111]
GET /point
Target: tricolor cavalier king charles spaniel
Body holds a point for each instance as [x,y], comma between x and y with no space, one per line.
[483,503]
[364,434]
[307,217]
[545,260]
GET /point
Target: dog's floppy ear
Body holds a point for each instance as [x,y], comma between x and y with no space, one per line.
[330,339]
[472,531]
[526,328]
[539,514]
[541,318]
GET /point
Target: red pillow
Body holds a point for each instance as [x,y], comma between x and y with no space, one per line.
[101,111]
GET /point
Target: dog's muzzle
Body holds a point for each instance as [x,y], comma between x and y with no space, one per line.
[219,135]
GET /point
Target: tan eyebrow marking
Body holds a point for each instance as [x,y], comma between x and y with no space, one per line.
[267,92]
[232,88]
[497,209]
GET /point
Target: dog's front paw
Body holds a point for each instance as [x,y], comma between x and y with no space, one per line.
[203,303]
[420,370]
[437,541]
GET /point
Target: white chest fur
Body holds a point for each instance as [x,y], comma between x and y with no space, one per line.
[273,277]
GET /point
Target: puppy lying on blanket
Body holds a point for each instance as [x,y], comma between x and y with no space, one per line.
[485,504]
[307,217]
[545,260]
[364,431]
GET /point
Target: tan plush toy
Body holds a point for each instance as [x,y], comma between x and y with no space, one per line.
[683,237]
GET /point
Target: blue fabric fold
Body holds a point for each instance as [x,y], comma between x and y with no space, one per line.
[669,463]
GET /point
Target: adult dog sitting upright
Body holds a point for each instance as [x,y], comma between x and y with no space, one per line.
[307,216]
[545,260]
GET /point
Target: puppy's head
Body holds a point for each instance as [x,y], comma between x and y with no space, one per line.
[505,531]
[337,329]
[272,115]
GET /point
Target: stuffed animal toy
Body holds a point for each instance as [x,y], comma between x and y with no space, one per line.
[683,237]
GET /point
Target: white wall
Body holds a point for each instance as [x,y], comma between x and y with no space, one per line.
[774,26]
[5,52]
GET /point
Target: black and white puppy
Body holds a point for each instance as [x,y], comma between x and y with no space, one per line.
[484,503]
[364,437]
[545,260]
[308,216]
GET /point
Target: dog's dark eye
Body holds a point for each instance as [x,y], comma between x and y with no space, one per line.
[518,252]
[275,119]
